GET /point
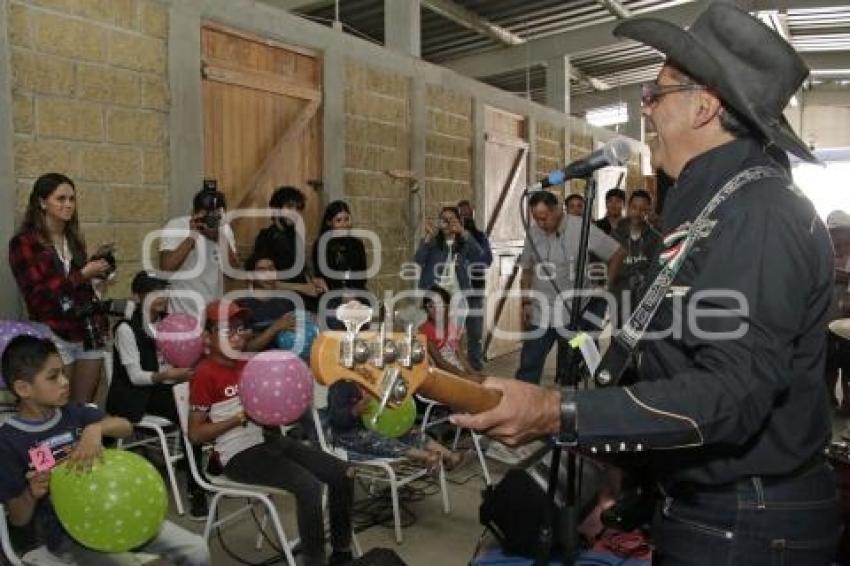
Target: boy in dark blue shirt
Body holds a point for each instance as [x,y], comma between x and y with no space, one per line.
[33,371]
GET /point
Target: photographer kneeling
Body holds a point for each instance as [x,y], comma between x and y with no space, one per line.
[49,260]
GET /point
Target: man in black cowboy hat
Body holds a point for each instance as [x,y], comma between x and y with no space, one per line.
[730,411]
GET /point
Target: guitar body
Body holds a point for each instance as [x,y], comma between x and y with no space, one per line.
[462,395]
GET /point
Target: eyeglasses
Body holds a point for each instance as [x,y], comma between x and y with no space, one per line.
[650,93]
[230,331]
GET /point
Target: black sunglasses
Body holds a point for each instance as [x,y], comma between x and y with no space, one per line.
[650,93]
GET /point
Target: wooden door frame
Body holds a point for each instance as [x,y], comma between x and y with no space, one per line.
[513,177]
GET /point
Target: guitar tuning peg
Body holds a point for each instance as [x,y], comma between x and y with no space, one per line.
[354,315]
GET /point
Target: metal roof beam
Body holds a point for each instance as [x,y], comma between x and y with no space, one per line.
[827,64]
[782,5]
[617,9]
[822,64]
[468,19]
[594,83]
[565,43]
[600,35]
[295,5]
[579,104]
[471,20]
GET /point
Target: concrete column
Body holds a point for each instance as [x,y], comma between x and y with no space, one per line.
[186,120]
[634,127]
[531,138]
[418,141]
[402,26]
[9,302]
[558,84]
[479,167]
[333,120]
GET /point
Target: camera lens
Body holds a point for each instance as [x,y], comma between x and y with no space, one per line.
[212,221]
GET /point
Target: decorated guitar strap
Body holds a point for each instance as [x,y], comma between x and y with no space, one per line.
[676,247]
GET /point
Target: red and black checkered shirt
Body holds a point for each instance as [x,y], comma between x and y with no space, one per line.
[45,286]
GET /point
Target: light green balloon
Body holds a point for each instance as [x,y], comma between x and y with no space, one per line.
[118,506]
[393,421]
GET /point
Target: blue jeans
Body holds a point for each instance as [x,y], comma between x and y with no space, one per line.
[532,358]
[474,330]
[757,521]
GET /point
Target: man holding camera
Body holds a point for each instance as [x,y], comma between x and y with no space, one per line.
[191,250]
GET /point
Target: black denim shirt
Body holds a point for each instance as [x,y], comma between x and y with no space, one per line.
[712,410]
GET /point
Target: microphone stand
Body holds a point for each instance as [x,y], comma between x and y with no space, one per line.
[568,376]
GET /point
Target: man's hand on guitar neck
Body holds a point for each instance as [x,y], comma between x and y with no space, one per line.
[525,413]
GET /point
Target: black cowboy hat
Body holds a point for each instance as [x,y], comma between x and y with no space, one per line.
[750,67]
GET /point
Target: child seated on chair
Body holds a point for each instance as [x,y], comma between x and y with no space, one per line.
[270,314]
[247,457]
[346,404]
[445,346]
[33,371]
[141,379]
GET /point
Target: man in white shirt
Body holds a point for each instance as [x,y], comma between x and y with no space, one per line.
[555,235]
[192,250]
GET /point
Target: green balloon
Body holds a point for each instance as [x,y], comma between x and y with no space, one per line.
[393,421]
[118,506]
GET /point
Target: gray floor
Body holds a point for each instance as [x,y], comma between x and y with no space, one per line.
[435,539]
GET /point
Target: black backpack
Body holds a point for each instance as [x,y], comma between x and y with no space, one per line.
[513,511]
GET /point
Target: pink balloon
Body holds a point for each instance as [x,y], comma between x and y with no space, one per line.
[179,338]
[276,388]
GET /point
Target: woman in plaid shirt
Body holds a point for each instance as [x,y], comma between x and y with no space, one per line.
[48,258]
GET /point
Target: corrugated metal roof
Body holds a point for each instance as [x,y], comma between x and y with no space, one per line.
[625,63]
[826,29]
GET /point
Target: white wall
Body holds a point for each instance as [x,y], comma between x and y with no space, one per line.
[823,117]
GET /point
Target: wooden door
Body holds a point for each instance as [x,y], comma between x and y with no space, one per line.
[262,125]
[506,162]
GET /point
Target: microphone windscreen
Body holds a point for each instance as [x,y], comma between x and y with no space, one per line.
[618,151]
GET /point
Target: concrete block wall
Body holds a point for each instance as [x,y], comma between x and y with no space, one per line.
[581,143]
[448,150]
[109,92]
[377,140]
[550,152]
[90,99]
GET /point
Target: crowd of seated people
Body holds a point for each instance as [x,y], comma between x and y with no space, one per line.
[61,284]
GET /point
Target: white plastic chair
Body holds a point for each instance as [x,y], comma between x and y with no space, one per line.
[382,470]
[6,541]
[163,430]
[40,556]
[222,487]
[427,423]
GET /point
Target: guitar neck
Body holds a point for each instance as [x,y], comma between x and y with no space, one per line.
[460,394]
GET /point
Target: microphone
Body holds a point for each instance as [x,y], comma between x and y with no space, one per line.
[615,152]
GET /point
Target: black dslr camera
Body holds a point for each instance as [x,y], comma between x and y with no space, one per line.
[93,338]
[212,204]
[107,252]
